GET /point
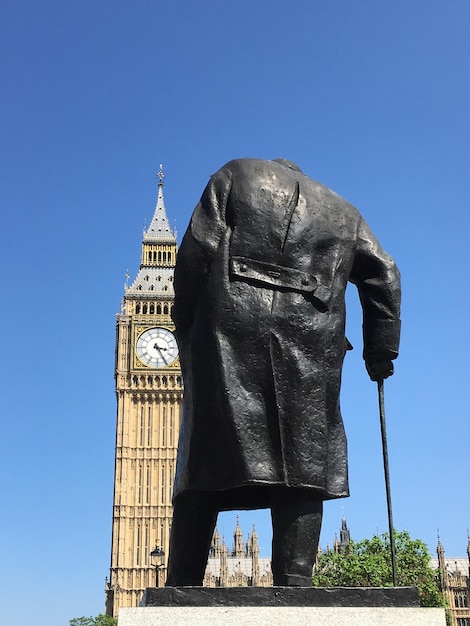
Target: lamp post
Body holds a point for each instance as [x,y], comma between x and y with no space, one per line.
[157,555]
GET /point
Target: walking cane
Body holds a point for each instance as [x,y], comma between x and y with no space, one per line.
[380,386]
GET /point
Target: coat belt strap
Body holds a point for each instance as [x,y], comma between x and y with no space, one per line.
[280,276]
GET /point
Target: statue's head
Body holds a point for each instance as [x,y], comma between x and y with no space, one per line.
[288,164]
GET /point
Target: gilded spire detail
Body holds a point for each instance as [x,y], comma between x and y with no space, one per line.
[160,176]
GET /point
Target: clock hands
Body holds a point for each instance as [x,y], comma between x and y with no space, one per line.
[159,349]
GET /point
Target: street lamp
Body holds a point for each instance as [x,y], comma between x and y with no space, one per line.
[158,555]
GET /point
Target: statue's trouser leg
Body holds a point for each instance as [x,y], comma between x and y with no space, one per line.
[296,517]
[194,519]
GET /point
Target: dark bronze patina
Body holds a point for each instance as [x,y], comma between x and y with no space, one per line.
[259,311]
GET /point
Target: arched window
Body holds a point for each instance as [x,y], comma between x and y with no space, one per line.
[147,499]
[135,381]
[169,257]
[137,308]
[137,551]
[165,309]
[152,308]
[164,257]
[159,309]
[144,309]
[163,430]
[149,426]
[159,256]
[141,426]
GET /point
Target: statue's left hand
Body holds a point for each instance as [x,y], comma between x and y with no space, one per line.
[379,369]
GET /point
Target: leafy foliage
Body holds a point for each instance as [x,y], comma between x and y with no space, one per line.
[367,563]
[99,620]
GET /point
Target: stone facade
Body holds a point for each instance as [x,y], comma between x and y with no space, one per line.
[242,566]
[454,573]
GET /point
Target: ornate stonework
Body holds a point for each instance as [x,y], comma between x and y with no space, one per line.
[454,574]
[240,567]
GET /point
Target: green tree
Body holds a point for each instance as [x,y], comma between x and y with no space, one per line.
[367,563]
[99,620]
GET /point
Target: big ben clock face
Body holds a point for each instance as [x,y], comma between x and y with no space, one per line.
[156,347]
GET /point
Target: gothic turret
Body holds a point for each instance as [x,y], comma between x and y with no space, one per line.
[254,547]
[345,535]
[336,545]
[468,553]
[215,544]
[223,564]
[237,550]
[441,562]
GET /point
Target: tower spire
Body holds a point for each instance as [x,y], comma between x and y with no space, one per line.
[159,230]
[441,561]
[159,250]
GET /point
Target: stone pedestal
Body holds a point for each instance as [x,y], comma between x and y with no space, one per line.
[281,606]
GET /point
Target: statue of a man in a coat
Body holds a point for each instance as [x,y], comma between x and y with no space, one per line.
[259,311]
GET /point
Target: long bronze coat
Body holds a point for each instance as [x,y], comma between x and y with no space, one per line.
[259,310]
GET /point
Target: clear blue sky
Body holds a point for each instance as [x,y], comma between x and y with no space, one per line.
[370,98]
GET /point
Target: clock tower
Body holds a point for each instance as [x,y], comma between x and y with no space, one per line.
[149,392]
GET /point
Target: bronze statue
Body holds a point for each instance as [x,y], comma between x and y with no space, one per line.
[260,321]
